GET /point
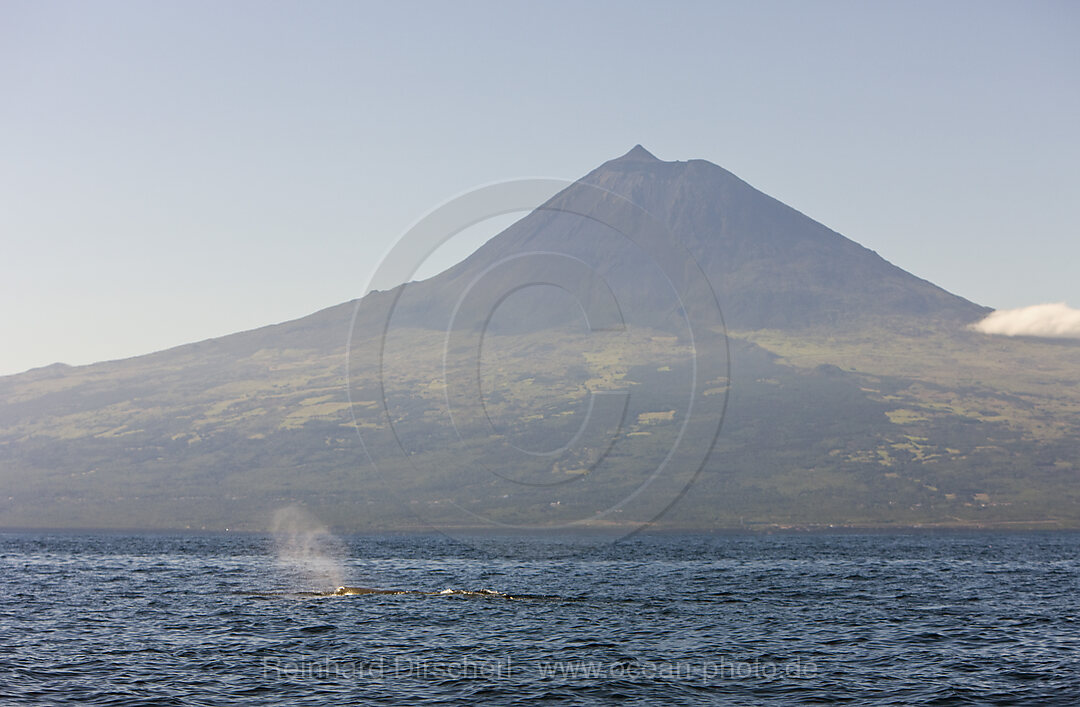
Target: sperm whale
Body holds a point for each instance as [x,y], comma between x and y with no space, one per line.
[358,591]
[350,591]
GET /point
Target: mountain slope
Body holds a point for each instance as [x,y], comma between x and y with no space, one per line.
[772,266]
[855,393]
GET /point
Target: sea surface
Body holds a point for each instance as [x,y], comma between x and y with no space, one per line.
[113,619]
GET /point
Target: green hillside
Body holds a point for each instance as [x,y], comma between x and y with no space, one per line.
[845,392]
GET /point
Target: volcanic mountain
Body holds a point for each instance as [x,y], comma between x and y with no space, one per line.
[654,328]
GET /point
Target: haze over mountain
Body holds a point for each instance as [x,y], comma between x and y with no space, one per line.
[575,369]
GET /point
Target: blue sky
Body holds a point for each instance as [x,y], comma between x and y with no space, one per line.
[171,172]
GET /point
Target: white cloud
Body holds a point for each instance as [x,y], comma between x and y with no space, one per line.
[1056,320]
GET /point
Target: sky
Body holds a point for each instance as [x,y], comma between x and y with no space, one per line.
[175,171]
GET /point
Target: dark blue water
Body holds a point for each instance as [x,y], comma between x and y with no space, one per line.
[213,620]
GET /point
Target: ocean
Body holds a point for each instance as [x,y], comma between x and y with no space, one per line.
[220,619]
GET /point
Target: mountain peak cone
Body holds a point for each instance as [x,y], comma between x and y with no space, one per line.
[638,154]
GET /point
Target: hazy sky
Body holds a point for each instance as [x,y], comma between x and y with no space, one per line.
[175,171]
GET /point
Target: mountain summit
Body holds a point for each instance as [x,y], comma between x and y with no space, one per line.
[637,154]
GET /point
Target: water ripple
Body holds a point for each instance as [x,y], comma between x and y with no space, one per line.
[213,620]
